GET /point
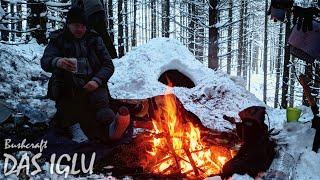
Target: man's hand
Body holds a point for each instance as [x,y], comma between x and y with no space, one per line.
[67,64]
[91,86]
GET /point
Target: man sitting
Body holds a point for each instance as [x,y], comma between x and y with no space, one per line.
[81,67]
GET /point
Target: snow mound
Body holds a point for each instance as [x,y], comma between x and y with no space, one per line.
[214,95]
[23,84]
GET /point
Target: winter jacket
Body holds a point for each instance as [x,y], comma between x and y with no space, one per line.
[90,6]
[91,47]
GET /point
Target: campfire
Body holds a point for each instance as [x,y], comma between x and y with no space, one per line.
[175,146]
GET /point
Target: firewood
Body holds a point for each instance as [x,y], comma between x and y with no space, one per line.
[193,164]
[170,147]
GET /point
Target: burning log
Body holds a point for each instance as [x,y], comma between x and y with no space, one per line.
[171,148]
[193,164]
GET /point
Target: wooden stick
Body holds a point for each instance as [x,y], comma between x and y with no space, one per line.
[170,147]
[193,164]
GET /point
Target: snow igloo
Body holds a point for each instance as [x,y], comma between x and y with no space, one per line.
[144,73]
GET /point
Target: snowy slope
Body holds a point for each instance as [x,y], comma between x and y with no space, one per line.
[22,82]
[215,94]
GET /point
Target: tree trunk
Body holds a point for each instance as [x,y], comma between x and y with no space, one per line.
[134,30]
[182,19]
[126,24]
[19,25]
[317,79]
[201,44]
[198,32]
[165,18]
[174,20]
[146,17]
[153,18]
[255,62]
[245,43]
[13,26]
[142,25]
[191,26]
[250,55]
[278,66]
[309,75]
[38,21]
[213,36]
[240,42]
[229,57]
[292,84]
[110,20]
[265,54]
[120,29]
[4,33]
[285,75]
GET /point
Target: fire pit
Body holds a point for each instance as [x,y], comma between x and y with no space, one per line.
[175,145]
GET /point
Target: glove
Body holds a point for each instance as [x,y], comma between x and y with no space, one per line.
[303,17]
[282,5]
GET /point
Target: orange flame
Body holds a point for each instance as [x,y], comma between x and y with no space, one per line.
[177,147]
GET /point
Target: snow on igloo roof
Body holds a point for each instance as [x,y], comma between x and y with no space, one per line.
[214,95]
[136,74]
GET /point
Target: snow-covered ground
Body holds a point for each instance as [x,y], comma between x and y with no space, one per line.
[23,84]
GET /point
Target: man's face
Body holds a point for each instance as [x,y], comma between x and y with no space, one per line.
[77,29]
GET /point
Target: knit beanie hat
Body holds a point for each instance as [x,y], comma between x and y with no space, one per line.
[76,15]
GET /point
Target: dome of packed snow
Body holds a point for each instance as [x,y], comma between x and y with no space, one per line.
[214,95]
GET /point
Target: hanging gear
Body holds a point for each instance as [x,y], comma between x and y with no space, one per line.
[303,17]
[278,9]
